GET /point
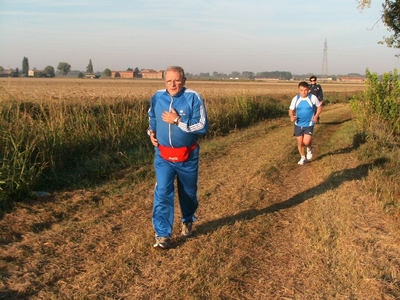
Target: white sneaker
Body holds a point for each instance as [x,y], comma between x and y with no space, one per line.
[162,243]
[302,160]
[309,153]
[187,229]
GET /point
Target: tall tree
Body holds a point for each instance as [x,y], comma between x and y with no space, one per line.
[89,68]
[49,72]
[25,67]
[234,74]
[136,72]
[16,73]
[107,72]
[64,68]
[248,74]
[391,18]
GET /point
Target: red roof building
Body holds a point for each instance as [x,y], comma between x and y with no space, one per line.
[123,74]
[152,74]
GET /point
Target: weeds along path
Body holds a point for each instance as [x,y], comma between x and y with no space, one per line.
[267,229]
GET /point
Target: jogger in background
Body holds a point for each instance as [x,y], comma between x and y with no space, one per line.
[302,112]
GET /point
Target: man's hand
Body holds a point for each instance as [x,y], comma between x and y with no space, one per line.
[153,138]
[169,117]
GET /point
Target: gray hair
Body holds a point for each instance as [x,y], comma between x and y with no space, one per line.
[175,68]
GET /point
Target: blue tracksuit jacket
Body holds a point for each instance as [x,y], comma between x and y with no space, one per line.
[190,108]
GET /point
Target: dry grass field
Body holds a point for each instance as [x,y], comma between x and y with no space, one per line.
[267,228]
[105,89]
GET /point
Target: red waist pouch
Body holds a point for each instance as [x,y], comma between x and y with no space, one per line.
[180,154]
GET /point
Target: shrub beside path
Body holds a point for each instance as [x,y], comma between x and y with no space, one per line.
[267,228]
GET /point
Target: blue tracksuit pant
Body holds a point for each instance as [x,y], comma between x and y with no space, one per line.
[164,193]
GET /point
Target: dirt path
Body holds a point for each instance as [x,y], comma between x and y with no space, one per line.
[267,229]
[321,227]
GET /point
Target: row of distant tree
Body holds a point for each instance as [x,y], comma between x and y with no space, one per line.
[64,69]
[283,75]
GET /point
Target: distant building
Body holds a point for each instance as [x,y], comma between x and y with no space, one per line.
[324,79]
[350,79]
[123,74]
[6,73]
[145,73]
[264,79]
[91,75]
[34,73]
[152,74]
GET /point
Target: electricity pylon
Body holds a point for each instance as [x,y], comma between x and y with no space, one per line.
[324,72]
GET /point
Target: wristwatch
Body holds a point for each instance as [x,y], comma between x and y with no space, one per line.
[176,120]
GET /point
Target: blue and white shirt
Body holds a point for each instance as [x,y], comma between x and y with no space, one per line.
[305,109]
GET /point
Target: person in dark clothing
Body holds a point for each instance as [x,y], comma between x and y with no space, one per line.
[316,89]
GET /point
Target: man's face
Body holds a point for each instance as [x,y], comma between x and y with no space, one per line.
[303,91]
[174,82]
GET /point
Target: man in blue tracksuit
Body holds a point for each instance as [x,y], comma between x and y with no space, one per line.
[177,116]
[304,111]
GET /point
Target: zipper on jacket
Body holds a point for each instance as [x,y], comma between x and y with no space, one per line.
[169,127]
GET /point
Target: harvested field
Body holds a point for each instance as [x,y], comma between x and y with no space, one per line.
[117,89]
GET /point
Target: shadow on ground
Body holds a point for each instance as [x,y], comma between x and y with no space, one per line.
[332,182]
[8,295]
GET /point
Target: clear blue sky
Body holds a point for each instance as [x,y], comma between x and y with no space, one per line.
[199,35]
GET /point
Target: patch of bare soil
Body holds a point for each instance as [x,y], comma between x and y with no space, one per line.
[267,229]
